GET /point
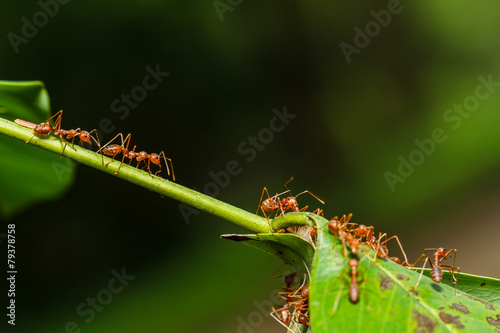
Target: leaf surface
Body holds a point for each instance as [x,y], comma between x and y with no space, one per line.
[482,287]
[387,302]
[28,174]
[290,248]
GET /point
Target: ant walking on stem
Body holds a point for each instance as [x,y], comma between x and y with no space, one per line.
[45,128]
[439,255]
[290,202]
[114,149]
[270,204]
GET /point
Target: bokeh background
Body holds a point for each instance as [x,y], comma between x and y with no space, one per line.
[230,64]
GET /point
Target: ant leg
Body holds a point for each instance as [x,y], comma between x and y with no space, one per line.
[378,246]
[337,299]
[56,129]
[127,139]
[260,201]
[422,271]
[149,167]
[98,143]
[453,264]
[342,239]
[455,279]
[263,212]
[47,122]
[452,268]
[319,212]
[65,144]
[57,122]
[304,208]
[400,246]
[286,188]
[107,144]
[31,138]
[306,191]
[162,154]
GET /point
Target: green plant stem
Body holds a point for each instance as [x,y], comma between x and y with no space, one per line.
[293,219]
[162,186]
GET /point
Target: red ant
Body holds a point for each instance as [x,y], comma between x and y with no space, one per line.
[45,128]
[114,149]
[84,136]
[439,255]
[300,303]
[354,285]
[354,288]
[381,249]
[269,204]
[42,128]
[290,202]
[284,314]
[354,236]
[338,228]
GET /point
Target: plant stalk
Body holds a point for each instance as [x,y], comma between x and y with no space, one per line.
[159,185]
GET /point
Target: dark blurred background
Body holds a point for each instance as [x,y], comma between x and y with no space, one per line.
[395,121]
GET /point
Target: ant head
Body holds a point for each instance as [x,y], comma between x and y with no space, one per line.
[84,136]
[289,202]
[334,226]
[441,251]
[154,158]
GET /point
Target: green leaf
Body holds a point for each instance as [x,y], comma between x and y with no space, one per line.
[387,302]
[28,175]
[27,100]
[485,288]
[290,248]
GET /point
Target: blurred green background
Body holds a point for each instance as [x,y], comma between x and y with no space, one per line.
[230,64]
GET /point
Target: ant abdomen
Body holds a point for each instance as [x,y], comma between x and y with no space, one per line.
[437,274]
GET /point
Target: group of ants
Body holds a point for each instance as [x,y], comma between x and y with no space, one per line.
[351,235]
[108,149]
